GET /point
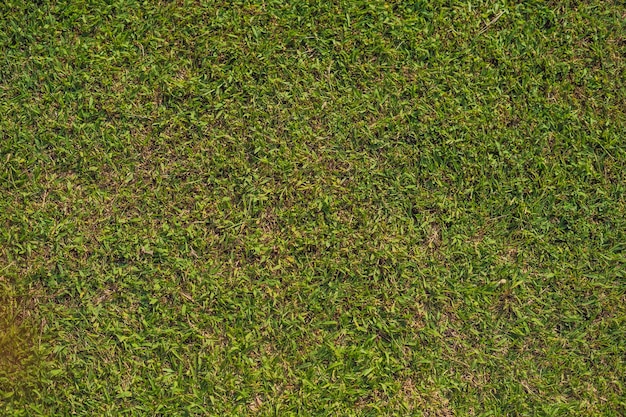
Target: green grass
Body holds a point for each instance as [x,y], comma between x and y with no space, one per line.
[313,208]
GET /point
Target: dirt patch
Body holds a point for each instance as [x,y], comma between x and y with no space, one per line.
[18,341]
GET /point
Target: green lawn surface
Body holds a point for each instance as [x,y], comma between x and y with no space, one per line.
[325,208]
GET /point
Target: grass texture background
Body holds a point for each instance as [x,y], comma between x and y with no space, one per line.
[312,208]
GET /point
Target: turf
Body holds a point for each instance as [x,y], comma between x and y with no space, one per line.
[313,208]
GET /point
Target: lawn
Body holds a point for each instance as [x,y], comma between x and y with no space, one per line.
[347,208]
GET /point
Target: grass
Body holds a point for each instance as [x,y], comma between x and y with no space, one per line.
[313,208]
